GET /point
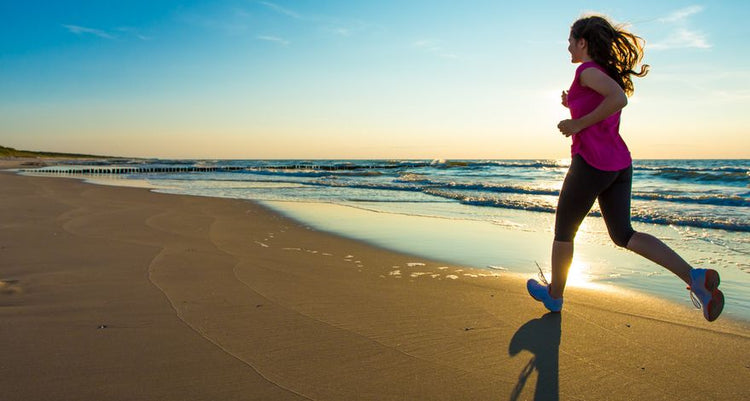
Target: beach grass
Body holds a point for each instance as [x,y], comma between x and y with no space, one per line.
[7,152]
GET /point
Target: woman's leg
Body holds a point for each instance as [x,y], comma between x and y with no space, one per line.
[658,252]
[614,203]
[579,191]
[562,257]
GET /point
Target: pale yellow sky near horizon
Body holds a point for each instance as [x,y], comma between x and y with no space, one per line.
[646,126]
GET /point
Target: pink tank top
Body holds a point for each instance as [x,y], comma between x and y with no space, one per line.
[600,145]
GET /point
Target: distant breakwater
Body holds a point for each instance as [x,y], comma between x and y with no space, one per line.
[130,170]
[190,169]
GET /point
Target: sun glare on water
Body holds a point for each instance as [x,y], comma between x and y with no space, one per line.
[580,275]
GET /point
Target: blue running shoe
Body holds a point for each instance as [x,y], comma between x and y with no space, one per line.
[540,292]
[705,294]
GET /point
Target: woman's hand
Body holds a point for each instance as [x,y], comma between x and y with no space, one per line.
[570,127]
[565,98]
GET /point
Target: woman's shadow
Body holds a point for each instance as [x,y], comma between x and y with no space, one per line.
[541,337]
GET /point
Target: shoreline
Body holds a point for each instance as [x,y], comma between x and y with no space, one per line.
[178,297]
[605,266]
[599,264]
[509,250]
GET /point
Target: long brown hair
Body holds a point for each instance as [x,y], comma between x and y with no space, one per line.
[613,48]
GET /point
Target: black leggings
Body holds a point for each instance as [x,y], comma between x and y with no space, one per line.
[583,184]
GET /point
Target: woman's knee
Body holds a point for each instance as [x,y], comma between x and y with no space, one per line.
[621,238]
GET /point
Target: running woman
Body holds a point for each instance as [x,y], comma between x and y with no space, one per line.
[601,168]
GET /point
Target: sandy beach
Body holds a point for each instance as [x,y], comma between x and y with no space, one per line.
[121,294]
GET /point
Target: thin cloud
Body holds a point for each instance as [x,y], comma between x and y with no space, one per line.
[273,39]
[682,38]
[681,35]
[241,13]
[230,21]
[81,30]
[333,25]
[732,96]
[682,14]
[281,10]
[433,47]
[134,32]
[339,31]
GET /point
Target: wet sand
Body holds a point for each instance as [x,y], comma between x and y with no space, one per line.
[119,293]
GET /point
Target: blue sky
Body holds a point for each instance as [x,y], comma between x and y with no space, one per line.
[349,79]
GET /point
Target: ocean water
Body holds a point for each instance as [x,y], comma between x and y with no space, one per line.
[493,214]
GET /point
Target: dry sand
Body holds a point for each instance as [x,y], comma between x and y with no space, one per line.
[122,294]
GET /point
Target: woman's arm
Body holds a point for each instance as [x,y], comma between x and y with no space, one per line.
[614,100]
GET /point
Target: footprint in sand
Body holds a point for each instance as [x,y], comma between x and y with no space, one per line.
[305,250]
[9,287]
